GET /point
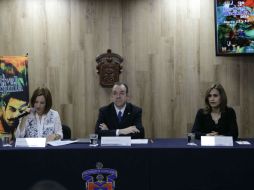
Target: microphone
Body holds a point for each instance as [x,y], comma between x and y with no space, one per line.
[23,114]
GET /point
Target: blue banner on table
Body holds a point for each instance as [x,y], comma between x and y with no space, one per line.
[14,91]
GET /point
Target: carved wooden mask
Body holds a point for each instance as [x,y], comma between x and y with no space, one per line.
[109,67]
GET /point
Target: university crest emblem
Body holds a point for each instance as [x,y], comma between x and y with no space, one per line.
[100,178]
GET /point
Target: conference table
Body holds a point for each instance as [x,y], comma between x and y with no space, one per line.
[160,164]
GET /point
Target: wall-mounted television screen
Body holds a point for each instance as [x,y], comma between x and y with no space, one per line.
[234,27]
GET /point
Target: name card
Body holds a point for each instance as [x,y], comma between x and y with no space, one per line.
[139,141]
[216,141]
[30,142]
[115,141]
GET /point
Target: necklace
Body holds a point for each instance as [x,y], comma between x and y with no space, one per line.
[216,117]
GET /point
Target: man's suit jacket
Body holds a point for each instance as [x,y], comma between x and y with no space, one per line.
[132,116]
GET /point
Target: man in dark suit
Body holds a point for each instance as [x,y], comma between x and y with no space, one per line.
[120,118]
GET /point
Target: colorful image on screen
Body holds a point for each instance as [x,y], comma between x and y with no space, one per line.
[234,21]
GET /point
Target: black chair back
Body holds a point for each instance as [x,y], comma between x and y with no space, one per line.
[66,131]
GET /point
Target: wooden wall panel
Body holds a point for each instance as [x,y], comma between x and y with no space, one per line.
[168,48]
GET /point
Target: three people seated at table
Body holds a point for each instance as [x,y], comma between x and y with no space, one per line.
[42,121]
[120,118]
[216,118]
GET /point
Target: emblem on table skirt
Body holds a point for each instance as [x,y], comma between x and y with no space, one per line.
[100,178]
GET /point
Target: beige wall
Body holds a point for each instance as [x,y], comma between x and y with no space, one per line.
[168,50]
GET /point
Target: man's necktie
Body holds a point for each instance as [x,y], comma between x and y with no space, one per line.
[119,116]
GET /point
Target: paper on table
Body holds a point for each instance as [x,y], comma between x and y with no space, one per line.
[61,143]
[139,141]
[243,142]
